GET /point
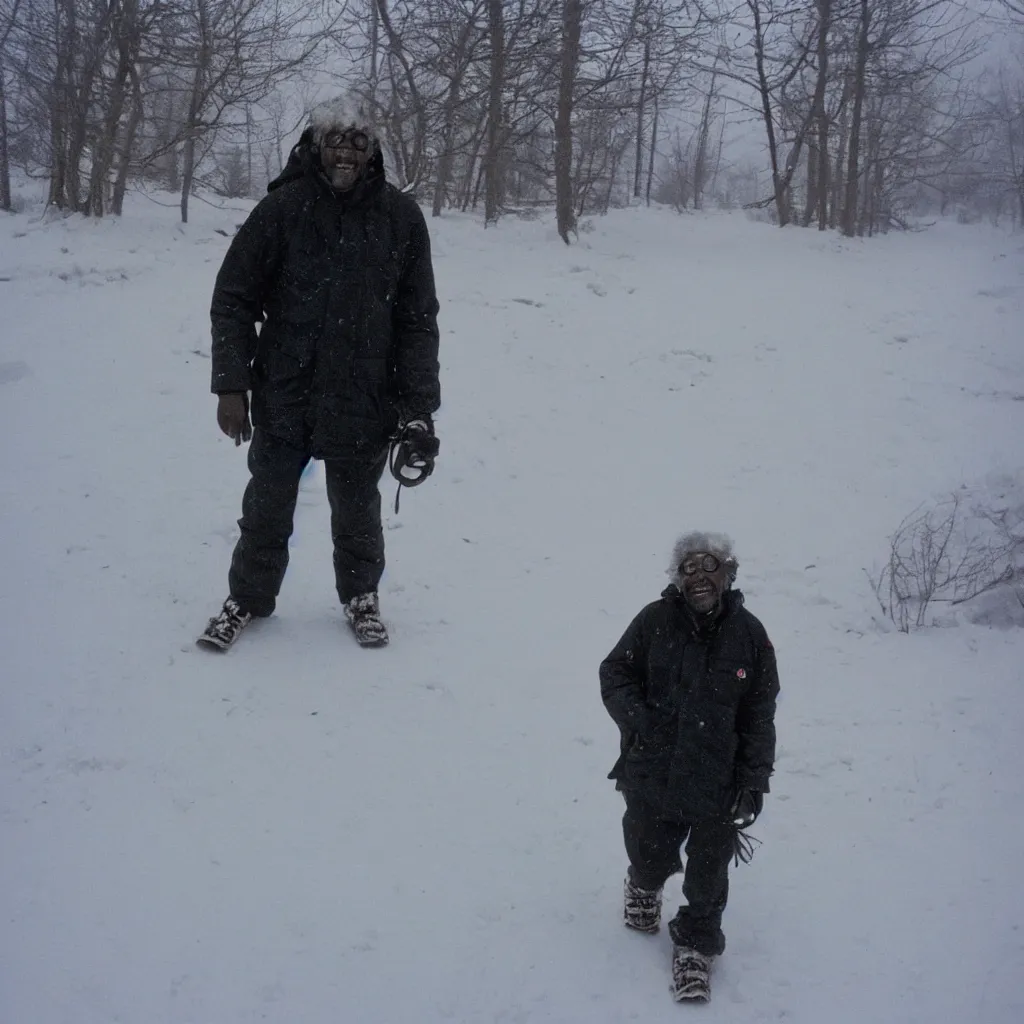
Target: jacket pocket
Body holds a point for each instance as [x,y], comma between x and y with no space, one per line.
[728,682]
[281,381]
[656,743]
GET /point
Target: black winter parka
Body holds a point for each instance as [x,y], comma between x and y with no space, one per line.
[695,706]
[344,286]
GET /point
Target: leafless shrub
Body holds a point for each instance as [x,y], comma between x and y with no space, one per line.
[951,552]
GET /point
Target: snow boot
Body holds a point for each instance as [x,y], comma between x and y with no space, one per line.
[641,907]
[691,975]
[363,614]
[224,629]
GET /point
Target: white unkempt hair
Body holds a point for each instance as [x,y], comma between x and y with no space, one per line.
[351,111]
[346,111]
[717,544]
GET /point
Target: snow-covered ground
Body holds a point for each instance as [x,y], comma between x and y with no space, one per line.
[303,831]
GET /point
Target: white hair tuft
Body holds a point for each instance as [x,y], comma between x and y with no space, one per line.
[717,544]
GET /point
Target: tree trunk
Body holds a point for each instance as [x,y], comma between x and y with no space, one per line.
[613,173]
[654,148]
[824,24]
[5,157]
[718,151]
[585,180]
[779,185]
[866,215]
[188,156]
[480,176]
[881,206]
[124,156]
[641,105]
[874,179]
[446,161]
[248,150]
[867,190]
[572,25]
[374,47]
[812,185]
[464,192]
[82,105]
[103,158]
[492,159]
[60,102]
[5,163]
[859,89]
[836,182]
[701,159]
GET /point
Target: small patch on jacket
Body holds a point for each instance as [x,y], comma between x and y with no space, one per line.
[741,673]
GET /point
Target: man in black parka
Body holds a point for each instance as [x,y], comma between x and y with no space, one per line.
[692,686]
[335,263]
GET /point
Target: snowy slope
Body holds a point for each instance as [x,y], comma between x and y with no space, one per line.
[302,831]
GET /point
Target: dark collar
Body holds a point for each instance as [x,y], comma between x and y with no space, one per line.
[705,625]
[361,193]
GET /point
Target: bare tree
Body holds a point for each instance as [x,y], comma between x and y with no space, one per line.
[1003,105]
[700,160]
[670,37]
[779,47]
[496,86]
[8,13]
[849,216]
[454,64]
[818,195]
[572,27]
[234,53]
[123,86]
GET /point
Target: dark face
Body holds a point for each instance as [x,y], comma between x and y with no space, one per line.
[344,155]
[704,580]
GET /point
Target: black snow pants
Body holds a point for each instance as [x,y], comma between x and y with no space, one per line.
[268,509]
[652,845]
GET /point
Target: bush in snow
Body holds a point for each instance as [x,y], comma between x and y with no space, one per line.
[957,551]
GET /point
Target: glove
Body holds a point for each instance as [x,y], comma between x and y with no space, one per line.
[420,441]
[746,807]
[233,416]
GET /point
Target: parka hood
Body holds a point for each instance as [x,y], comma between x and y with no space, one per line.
[305,159]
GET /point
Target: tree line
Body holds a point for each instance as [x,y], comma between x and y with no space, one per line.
[869,111]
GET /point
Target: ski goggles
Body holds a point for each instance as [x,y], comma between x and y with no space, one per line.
[706,563]
[351,137]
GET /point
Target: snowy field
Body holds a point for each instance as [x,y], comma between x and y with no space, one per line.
[304,832]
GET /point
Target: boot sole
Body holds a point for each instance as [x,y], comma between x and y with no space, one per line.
[650,930]
[210,644]
[702,995]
